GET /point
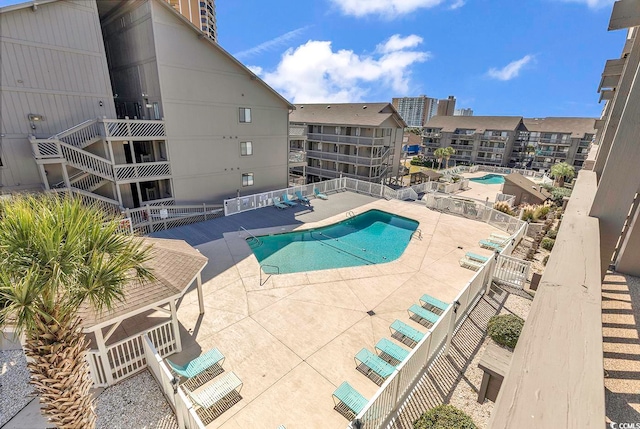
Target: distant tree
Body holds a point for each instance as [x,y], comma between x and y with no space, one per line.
[448,151]
[439,153]
[561,172]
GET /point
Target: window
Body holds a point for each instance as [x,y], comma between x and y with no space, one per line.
[156,110]
[246,148]
[387,132]
[245,115]
[247,179]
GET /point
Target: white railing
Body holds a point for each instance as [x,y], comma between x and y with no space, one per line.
[89,198]
[88,182]
[81,135]
[152,218]
[126,357]
[511,271]
[87,161]
[186,415]
[97,369]
[297,132]
[406,194]
[423,188]
[509,199]
[505,170]
[134,129]
[381,410]
[362,141]
[143,170]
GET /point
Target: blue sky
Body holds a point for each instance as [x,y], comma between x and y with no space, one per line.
[499,57]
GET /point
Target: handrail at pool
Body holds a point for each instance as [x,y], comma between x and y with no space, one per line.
[269,274]
[245,230]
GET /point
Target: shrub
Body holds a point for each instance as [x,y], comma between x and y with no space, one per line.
[505,329]
[545,260]
[552,233]
[547,243]
[540,212]
[528,213]
[503,207]
[444,417]
[558,193]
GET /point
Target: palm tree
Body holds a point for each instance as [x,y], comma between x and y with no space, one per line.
[55,254]
[448,151]
[562,171]
[439,154]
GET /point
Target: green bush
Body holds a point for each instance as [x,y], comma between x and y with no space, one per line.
[545,260]
[552,233]
[558,193]
[547,243]
[528,214]
[540,212]
[505,329]
[444,417]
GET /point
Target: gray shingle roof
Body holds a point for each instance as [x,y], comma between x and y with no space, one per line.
[527,185]
[174,263]
[449,124]
[578,127]
[358,114]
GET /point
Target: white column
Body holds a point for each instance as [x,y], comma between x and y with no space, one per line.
[65,176]
[102,348]
[43,175]
[176,326]
[200,295]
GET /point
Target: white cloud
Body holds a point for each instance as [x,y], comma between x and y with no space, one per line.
[314,72]
[398,43]
[592,4]
[457,4]
[256,69]
[384,8]
[511,70]
[270,44]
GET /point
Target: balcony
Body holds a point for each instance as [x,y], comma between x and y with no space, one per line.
[489,149]
[332,174]
[349,159]
[147,171]
[297,132]
[434,135]
[133,129]
[495,138]
[431,144]
[297,158]
[462,146]
[355,140]
[581,156]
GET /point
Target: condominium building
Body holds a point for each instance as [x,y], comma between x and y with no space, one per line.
[447,106]
[201,13]
[512,141]
[416,111]
[463,112]
[128,103]
[576,361]
[357,140]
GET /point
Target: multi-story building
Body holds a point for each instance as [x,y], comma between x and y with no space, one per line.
[416,111]
[130,104]
[511,140]
[201,13]
[446,106]
[463,112]
[485,140]
[576,361]
[356,140]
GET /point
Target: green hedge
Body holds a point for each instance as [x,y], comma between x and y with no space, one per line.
[444,417]
[547,243]
[505,329]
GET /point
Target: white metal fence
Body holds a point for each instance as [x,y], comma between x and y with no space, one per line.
[186,415]
[511,271]
[509,199]
[152,218]
[383,406]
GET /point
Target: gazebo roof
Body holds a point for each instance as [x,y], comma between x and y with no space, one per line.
[174,263]
[424,172]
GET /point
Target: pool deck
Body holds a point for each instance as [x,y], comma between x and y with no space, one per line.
[481,191]
[292,340]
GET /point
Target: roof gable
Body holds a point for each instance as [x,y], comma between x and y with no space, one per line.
[356,114]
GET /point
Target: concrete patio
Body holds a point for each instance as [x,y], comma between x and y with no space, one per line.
[292,340]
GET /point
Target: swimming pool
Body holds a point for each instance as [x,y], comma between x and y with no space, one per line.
[372,237]
[489,179]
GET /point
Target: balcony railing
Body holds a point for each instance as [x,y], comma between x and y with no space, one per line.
[297,133]
[490,149]
[432,135]
[134,129]
[495,138]
[431,144]
[356,140]
[147,170]
[297,157]
[350,159]
[332,174]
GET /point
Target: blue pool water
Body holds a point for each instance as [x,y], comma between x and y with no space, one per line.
[489,179]
[373,237]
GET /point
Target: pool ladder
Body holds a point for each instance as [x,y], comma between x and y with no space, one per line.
[350,213]
[252,238]
[268,274]
[418,232]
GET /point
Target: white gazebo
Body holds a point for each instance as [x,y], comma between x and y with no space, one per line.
[116,335]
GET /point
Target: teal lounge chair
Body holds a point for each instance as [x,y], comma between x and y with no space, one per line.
[476,257]
[373,367]
[471,264]
[278,203]
[391,352]
[198,365]
[424,317]
[287,201]
[405,333]
[499,237]
[433,304]
[349,401]
[486,244]
[302,198]
[319,194]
